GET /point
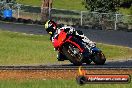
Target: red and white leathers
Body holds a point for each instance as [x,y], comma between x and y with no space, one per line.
[72,30]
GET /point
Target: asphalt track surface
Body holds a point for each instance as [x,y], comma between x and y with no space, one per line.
[110,65]
[109,37]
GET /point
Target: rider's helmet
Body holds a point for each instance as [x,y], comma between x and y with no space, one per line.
[50,27]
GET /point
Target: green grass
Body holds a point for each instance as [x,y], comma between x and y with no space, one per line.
[55,84]
[18,48]
[115,52]
[27,2]
[61,4]
[69,4]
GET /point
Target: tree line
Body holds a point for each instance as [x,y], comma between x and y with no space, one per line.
[106,5]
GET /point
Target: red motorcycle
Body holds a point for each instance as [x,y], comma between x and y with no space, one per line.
[76,51]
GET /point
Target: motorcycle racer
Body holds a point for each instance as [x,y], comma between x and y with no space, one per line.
[53,29]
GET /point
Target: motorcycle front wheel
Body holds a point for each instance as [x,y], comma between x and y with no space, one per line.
[73,54]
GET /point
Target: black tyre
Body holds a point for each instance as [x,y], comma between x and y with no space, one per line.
[88,61]
[99,58]
[61,57]
[73,54]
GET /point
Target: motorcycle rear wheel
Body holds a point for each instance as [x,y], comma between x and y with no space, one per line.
[99,58]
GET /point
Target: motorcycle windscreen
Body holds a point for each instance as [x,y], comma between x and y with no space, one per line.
[59,39]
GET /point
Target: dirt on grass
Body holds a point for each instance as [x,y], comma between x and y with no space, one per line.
[53,74]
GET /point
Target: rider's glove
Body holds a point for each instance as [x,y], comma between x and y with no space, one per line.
[92,44]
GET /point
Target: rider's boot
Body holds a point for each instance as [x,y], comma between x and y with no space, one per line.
[61,57]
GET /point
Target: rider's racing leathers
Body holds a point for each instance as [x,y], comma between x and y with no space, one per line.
[71,30]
